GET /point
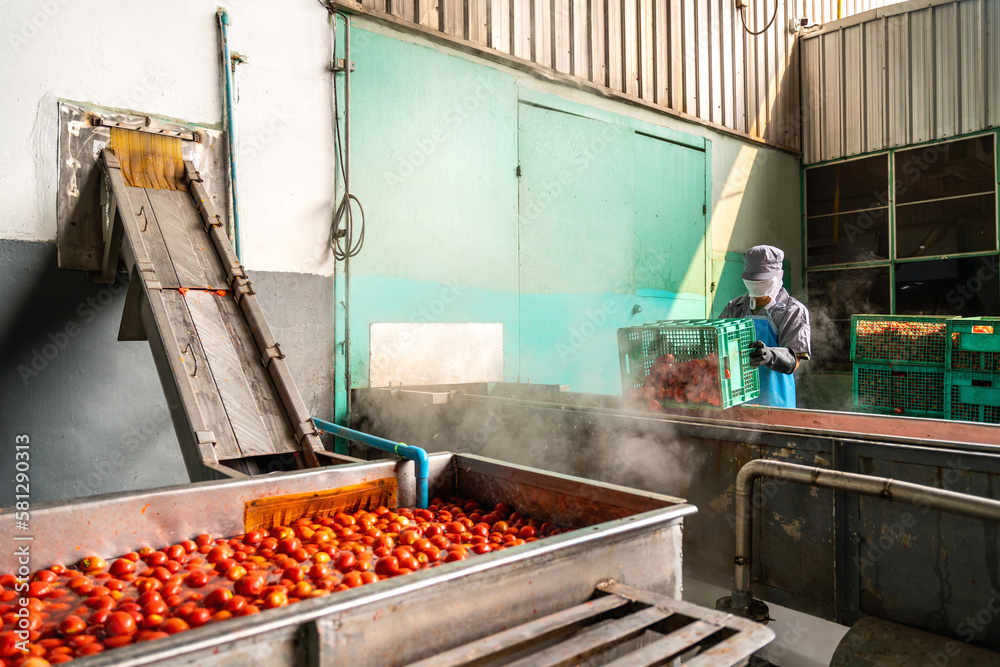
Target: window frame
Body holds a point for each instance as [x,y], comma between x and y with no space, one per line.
[893,258]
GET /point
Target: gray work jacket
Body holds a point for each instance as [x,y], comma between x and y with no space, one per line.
[789,316]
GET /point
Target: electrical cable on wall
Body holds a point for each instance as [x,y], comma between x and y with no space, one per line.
[741,5]
[342,241]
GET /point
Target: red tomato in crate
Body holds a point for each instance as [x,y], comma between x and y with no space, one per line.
[72,625]
[140,596]
[251,585]
[174,625]
[47,576]
[218,597]
[198,617]
[92,564]
[120,623]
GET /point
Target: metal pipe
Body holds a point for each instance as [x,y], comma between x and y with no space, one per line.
[415,454]
[961,504]
[227,64]
[347,192]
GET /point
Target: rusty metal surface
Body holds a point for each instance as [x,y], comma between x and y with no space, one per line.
[507,640]
[958,556]
[841,423]
[362,626]
[875,643]
[811,542]
[741,637]
[232,397]
[814,422]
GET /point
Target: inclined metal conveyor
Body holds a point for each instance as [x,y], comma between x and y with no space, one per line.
[234,404]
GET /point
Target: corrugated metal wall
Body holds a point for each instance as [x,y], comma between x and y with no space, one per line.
[690,56]
[899,76]
[825,11]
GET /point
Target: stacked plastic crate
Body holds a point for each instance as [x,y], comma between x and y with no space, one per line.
[973,370]
[899,364]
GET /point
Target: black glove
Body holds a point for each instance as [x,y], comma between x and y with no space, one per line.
[779,359]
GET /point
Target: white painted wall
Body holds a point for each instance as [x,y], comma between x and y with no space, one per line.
[163,59]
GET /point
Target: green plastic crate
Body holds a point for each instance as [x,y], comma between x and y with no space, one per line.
[973,397]
[899,339]
[730,340]
[915,391]
[975,345]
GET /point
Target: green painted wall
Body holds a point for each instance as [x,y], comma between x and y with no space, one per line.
[605,227]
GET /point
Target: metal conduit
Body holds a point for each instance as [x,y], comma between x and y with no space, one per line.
[742,601]
[416,454]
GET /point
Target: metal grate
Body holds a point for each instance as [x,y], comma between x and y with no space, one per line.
[621,626]
[973,397]
[911,340]
[916,391]
[975,345]
[726,343]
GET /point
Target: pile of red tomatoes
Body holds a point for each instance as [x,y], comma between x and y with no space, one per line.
[670,381]
[64,612]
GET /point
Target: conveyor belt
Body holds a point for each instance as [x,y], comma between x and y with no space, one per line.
[233,401]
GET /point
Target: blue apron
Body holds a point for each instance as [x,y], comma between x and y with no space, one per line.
[777,390]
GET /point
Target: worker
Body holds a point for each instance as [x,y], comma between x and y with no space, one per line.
[781,325]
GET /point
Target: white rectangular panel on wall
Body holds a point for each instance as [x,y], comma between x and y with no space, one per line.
[415,354]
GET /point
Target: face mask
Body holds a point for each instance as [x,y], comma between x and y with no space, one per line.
[758,289]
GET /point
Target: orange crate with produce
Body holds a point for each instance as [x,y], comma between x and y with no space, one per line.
[899,339]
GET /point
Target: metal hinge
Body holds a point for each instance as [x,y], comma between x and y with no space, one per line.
[704,209]
[517,171]
[338,66]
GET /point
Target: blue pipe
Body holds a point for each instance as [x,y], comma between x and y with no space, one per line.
[227,65]
[415,454]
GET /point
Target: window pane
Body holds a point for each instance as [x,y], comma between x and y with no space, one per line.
[947,227]
[966,287]
[848,186]
[833,297]
[848,237]
[945,170]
